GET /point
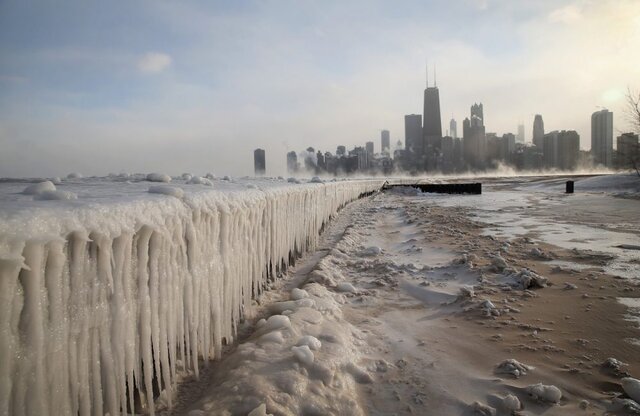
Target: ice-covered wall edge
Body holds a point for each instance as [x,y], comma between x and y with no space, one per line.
[92,312]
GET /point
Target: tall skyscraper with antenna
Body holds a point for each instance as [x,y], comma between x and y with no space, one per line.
[432,123]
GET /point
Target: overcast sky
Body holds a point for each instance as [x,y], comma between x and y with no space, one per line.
[139,86]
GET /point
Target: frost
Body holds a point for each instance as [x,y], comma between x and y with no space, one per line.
[167,190]
[158,177]
[37,188]
[545,393]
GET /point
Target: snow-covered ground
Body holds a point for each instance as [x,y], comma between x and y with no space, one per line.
[120,288]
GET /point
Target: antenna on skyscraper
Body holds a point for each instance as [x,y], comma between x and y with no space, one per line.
[435,80]
[426,66]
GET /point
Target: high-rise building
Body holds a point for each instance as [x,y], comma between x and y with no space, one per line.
[385,141]
[520,136]
[432,127]
[369,147]
[259,163]
[538,131]
[602,137]
[627,151]
[453,129]
[341,151]
[561,150]
[292,162]
[478,111]
[474,139]
[413,142]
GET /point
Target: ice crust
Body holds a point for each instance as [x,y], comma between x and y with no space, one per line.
[98,296]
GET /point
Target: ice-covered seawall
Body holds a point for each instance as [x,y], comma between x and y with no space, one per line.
[100,300]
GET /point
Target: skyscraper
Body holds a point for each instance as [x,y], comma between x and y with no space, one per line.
[413,142]
[520,136]
[432,127]
[369,147]
[385,141]
[627,151]
[538,131]
[561,149]
[259,163]
[453,129]
[602,137]
[478,111]
[474,139]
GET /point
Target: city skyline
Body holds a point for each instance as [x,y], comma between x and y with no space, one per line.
[184,96]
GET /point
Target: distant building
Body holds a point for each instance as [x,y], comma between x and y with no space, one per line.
[520,136]
[561,150]
[413,142]
[627,151]
[259,163]
[385,142]
[602,137]
[341,151]
[538,131]
[453,129]
[292,162]
[369,147]
[478,111]
[474,138]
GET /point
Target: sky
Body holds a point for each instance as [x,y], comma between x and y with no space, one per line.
[195,86]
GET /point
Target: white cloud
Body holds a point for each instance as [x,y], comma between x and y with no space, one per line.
[567,14]
[154,62]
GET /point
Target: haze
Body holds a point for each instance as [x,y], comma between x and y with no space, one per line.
[196,86]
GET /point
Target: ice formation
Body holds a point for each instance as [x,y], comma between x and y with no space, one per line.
[39,187]
[631,386]
[542,392]
[100,307]
[158,177]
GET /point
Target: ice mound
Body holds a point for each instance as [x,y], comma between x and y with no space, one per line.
[186,176]
[158,177]
[293,180]
[345,287]
[276,322]
[303,354]
[626,405]
[631,386]
[74,175]
[297,294]
[482,409]
[310,341]
[226,178]
[511,403]
[199,180]
[316,179]
[55,195]
[37,188]
[545,393]
[513,367]
[167,190]
[526,279]
[371,251]
[210,175]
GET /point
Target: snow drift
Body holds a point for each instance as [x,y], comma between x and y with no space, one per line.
[102,305]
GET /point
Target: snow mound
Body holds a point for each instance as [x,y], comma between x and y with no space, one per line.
[513,367]
[310,341]
[39,187]
[158,177]
[167,190]
[199,180]
[55,196]
[545,393]
[631,386]
[297,294]
[345,287]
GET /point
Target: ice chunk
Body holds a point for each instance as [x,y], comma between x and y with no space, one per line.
[167,190]
[276,322]
[513,367]
[297,294]
[271,337]
[371,251]
[303,354]
[199,180]
[482,409]
[158,177]
[511,403]
[39,187]
[345,287]
[55,196]
[631,386]
[545,393]
[310,341]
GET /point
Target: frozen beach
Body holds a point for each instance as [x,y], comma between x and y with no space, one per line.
[407,303]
